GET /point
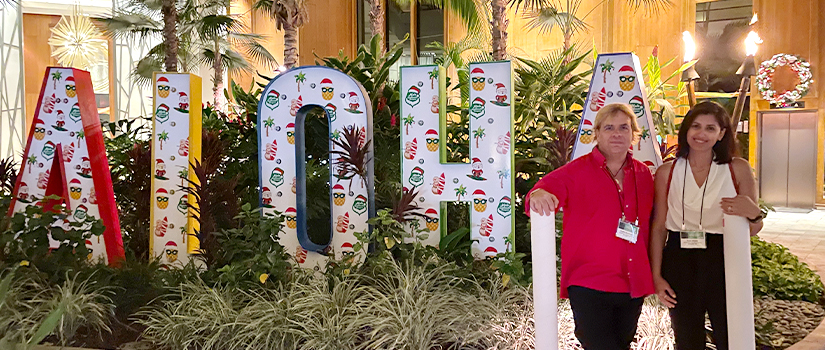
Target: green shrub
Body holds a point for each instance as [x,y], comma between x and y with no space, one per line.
[779,274]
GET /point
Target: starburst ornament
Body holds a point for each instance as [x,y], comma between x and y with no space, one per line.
[76,42]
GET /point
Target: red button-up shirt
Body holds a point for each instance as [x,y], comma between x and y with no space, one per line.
[591,254]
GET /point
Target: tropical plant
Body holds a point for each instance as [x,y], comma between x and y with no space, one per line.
[772,276]
[8,175]
[56,76]
[32,308]
[478,134]
[564,14]
[31,161]
[664,97]
[353,157]
[289,15]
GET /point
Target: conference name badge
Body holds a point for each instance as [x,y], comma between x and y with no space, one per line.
[693,240]
[627,231]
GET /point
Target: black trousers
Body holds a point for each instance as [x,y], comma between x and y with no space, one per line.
[604,321]
[697,276]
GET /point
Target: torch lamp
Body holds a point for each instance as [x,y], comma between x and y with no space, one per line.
[689,75]
[746,70]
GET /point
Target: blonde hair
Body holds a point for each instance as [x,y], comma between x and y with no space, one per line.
[609,110]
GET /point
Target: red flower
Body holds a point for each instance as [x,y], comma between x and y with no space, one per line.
[393,120]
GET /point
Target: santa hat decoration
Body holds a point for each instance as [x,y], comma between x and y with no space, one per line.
[171,244]
[164,107]
[479,193]
[290,211]
[290,126]
[326,82]
[161,80]
[265,189]
[499,86]
[60,113]
[476,160]
[479,100]
[626,69]
[38,121]
[182,94]
[477,72]
[588,122]
[331,107]
[415,89]
[431,133]
[82,208]
[418,170]
[162,191]
[74,182]
[88,243]
[491,250]
[338,187]
[431,213]
[346,245]
[352,94]
[70,80]
[159,161]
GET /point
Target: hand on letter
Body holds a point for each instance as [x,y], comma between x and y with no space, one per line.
[543,202]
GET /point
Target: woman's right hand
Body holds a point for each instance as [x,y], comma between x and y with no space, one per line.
[543,202]
[666,294]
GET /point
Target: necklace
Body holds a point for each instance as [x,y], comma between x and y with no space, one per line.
[617,171]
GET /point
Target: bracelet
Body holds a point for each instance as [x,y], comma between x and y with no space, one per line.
[758,218]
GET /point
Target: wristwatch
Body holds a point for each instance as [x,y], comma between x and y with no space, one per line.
[758,218]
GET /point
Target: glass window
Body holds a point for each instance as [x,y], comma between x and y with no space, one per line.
[430,29]
[721,28]
[398,27]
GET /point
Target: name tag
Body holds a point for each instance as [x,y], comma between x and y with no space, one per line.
[693,240]
[627,231]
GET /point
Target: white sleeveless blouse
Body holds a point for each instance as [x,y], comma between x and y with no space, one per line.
[719,185]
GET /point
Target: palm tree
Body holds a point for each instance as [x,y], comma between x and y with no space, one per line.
[408,120]
[203,30]
[606,67]
[170,34]
[32,159]
[289,15]
[460,191]
[80,135]
[503,174]
[545,15]
[478,134]
[300,78]
[433,76]
[56,75]
[268,123]
[183,174]
[162,137]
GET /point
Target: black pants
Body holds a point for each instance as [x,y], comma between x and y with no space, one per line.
[604,321]
[697,276]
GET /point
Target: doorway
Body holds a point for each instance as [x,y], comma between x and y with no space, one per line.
[788,159]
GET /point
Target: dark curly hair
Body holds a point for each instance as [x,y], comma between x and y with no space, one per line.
[725,149]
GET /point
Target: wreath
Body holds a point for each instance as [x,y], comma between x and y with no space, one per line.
[764,79]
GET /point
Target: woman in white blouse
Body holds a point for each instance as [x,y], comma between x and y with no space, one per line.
[693,192]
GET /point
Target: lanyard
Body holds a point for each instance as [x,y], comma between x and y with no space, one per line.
[702,207]
[619,191]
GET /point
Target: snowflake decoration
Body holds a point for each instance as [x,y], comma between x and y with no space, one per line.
[76,42]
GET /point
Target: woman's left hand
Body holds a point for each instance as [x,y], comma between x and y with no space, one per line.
[740,205]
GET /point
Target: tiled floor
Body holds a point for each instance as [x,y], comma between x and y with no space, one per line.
[803,232]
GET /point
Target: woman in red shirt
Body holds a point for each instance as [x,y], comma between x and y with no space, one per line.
[607,197]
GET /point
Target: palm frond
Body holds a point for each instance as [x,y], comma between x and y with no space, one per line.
[545,19]
[651,6]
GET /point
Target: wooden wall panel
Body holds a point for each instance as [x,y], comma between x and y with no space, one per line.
[332,27]
[792,27]
[263,24]
[37,55]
